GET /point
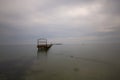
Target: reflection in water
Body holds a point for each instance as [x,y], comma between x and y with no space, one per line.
[65,62]
[42,53]
[75,63]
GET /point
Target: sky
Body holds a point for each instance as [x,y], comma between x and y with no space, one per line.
[62,21]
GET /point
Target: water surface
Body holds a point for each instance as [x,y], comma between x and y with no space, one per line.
[60,62]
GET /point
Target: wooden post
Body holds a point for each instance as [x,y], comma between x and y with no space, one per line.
[46,42]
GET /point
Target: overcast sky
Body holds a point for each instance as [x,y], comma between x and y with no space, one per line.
[64,21]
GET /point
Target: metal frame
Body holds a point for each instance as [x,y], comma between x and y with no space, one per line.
[42,41]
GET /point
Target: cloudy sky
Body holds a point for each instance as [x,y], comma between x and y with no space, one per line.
[64,21]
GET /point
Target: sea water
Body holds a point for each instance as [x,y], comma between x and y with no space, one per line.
[60,62]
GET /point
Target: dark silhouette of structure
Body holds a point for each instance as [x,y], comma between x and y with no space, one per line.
[42,44]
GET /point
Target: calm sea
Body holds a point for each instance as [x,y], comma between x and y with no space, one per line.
[60,62]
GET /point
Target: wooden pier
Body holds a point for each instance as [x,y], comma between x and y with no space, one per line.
[43,44]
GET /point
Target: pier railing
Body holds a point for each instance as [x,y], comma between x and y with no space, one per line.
[42,44]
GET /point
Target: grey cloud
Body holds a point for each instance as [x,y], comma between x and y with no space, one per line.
[89,20]
[112,7]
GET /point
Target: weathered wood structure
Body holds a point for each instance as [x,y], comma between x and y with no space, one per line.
[43,44]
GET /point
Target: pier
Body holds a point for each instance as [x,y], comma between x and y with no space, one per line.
[43,44]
